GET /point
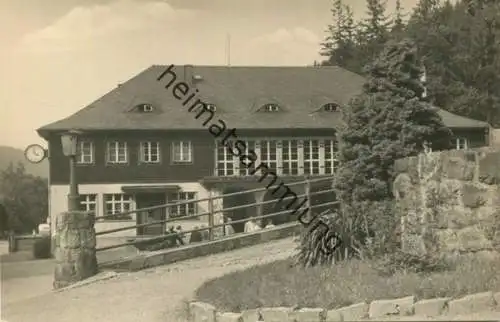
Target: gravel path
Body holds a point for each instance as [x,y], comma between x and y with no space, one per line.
[157,294]
[152,295]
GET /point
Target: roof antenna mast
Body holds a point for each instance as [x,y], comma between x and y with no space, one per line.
[228,50]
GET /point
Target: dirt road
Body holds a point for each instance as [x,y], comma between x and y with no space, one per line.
[153,295]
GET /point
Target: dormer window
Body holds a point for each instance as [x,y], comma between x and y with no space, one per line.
[145,108]
[271,108]
[330,107]
[211,107]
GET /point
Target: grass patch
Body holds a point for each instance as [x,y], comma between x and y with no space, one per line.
[282,284]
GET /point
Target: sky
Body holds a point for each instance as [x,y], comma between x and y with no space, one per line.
[57,56]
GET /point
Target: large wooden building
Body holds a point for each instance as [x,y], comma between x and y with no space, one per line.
[141,146]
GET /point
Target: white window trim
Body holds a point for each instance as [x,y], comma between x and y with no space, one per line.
[461,141]
[289,160]
[117,199]
[330,107]
[322,158]
[147,108]
[272,108]
[148,157]
[189,151]
[267,158]
[311,160]
[118,145]
[87,202]
[180,197]
[81,156]
[226,161]
[333,158]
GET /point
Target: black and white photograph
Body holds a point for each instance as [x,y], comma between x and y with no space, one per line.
[249,161]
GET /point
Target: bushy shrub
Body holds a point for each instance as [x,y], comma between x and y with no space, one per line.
[41,248]
[389,120]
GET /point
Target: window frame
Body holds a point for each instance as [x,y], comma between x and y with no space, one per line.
[124,199]
[143,157]
[211,107]
[227,162]
[145,108]
[330,107]
[288,147]
[117,152]
[332,149]
[85,200]
[182,196]
[81,156]
[458,144]
[271,107]
[311,160]
[181,144]
[267,158]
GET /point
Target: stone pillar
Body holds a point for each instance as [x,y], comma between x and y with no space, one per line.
[75,244]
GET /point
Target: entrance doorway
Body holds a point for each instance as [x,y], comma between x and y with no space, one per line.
[236,201]
[144,200]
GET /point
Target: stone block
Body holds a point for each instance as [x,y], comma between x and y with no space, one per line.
[471,304]
[229,317]
[459,167]
[488,168]
[401,165]
[468,239]
[473,195]
[333,316]
[402,186]
[87,238]
[202,312]
[276,314]
[349,313]
[307,315]
[401,306]
[250,315]
[432,307]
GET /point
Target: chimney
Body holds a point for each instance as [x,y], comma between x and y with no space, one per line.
[188,74]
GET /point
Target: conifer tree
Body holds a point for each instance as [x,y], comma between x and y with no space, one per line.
[339,45]
[389,120]
[374,30]
[398,23]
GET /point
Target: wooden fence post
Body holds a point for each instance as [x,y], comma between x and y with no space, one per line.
[210,215]
[308,196]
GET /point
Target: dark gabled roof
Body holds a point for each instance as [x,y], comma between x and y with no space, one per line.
[456,121]
[238,93]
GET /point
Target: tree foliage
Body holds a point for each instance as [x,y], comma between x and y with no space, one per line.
[458,41]
[389,120]
[25,198]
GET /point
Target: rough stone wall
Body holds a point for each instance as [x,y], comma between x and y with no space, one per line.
[75,243]
[449,201]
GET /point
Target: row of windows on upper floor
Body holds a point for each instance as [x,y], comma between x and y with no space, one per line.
[182,151]
[117,152]
[270,107]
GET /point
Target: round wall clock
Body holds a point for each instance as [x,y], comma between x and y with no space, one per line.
[35,153]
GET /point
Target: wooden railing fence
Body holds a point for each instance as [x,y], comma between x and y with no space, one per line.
[212,211]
